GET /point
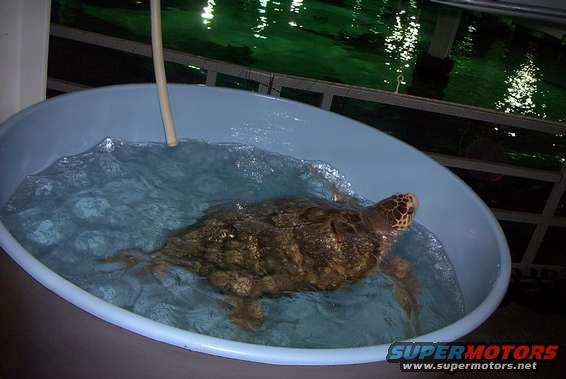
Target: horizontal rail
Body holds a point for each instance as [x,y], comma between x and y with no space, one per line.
[496,168]
[173,56]
[543,267]
[527,217]
[516,216]
[324,87]
[424,104]
[64,86]
[446,160]
[538,273]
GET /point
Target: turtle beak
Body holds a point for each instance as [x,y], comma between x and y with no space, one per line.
[412,203]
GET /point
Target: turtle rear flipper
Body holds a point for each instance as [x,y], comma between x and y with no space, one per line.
[247,314]
[338,196]
[405,287]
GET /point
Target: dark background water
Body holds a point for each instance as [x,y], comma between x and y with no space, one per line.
[499,63]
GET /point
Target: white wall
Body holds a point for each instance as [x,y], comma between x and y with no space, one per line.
[24,39]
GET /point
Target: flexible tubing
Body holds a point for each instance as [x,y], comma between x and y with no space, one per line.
[161,80]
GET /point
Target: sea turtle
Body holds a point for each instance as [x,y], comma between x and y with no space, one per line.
[276,247]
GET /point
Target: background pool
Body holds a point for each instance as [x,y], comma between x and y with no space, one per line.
[499,64]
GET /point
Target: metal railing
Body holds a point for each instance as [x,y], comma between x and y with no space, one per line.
[272,83]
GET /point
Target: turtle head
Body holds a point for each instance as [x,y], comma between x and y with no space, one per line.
[393,214]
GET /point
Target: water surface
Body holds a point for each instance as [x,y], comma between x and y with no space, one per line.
[499,63]
[120,196]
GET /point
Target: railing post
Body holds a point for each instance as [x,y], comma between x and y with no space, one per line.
[447,22]
[211,78]
[547,215]
[263,89]
[326,102]
[275,89]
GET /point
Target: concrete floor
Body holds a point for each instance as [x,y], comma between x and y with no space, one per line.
[532,312]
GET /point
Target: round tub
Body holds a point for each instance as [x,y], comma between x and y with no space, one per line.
[51,326]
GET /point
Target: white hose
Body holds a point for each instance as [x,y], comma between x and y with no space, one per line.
[159,67]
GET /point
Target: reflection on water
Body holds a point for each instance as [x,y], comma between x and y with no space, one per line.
[208,13]
[465,46]
[401,44]
[261,20]
[295,9]
[356,11]
[296,6]
[360,42]
[132,196]
[522,87]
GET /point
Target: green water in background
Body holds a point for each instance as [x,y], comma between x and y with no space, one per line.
[366,43]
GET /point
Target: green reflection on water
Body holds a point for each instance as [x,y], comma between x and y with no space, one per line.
[522,87]
[208,14]
[261,20]
[360,42]
[401,43]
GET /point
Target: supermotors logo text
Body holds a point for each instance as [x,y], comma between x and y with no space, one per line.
[423,356]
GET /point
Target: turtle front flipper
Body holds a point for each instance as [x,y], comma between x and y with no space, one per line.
[338,196]
[405,281]
[247,313]
[132,258]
